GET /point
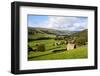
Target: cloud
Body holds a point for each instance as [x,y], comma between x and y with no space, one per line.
[60,22]
[65,23]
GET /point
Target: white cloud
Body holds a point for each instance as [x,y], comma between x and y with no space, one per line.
[79,26]
[64,23]
[60,22]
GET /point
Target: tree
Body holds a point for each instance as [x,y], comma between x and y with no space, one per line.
[41,47]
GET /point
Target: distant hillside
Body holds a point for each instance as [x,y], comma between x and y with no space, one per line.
[80,37]
[32,30]
[81,33]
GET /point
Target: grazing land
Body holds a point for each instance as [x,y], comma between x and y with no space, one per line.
[50,44]
[79,53]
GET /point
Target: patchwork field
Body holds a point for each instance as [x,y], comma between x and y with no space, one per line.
[56,52]
[50,44]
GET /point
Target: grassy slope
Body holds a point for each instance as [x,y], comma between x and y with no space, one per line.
[39,35]
[71,54]
[49,31]
[49,44]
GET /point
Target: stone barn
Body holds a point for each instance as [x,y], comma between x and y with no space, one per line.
[71,44]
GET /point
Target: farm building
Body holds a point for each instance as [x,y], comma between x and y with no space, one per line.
[71,45]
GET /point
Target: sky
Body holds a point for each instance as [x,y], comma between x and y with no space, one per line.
[71,23]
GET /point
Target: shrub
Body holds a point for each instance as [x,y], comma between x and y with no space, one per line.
[81,41]
[41,47]
[62,42]
[29,48]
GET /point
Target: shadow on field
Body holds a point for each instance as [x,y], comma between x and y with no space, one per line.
[52,52]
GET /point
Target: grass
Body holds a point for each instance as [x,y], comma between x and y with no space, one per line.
[49,44]
[38,35]
[52,51]
[79,53]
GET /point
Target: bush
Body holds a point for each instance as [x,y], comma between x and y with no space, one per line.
[62,42]
[41,47]
[81,41]
[29,48]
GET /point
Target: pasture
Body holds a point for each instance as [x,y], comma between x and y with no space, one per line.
[54,52]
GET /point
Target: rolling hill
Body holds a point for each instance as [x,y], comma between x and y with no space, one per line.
[81,37]
[45,33]
[32,30]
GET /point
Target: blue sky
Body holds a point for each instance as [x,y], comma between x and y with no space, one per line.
[58,22]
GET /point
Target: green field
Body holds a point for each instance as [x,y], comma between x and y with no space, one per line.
[48,54]
[38,35]
[43,44]
[49,44]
